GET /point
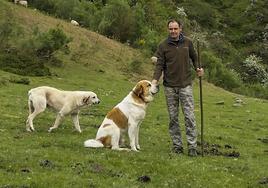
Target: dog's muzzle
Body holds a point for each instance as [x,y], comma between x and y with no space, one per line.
[97,102]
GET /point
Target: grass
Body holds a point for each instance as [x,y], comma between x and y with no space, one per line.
[58,159]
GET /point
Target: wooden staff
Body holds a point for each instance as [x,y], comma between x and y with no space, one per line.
[201,102]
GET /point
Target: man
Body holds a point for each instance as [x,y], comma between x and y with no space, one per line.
[173,60]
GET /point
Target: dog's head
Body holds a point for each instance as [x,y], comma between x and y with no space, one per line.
[144,91]
[91,98]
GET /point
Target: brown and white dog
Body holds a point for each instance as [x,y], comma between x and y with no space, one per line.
[127,115]
[64,102]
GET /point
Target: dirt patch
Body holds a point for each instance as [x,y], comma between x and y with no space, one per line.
[96,168]
[144,179]
[25,170]
[218,150]
[264,140]
[46,164]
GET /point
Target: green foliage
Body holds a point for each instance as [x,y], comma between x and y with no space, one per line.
[28,56]
[150,41]
[9,30]
[86,13]
[18,62]
[117,21]
[253,71]
[202,12]
[64,8]
[48,43]
[229,30]
[218,74]
[48,6]
[19,80]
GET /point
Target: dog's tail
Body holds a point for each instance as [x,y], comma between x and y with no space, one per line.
[92,143]
[30,103]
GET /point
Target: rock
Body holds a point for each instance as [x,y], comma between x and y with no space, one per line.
[220,103]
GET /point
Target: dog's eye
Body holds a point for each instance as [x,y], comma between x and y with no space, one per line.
[94,97]
[149,85]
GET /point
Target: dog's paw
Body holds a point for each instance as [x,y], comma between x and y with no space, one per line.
[134,149]
[29,130]
[138,147]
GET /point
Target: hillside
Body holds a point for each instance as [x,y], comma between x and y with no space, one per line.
[235,126]
[93,51]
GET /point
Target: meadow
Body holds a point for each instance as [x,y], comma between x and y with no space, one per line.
[235,127]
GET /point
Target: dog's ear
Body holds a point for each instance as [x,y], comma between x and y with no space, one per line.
[139,89]
[86,100]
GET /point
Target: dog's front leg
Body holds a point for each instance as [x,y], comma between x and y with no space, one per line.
[76,121]
[132,136]
[137,137]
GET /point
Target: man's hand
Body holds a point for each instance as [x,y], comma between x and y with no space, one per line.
[200,72]
[155,82]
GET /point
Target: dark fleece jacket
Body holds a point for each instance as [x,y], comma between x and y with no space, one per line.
[174,61]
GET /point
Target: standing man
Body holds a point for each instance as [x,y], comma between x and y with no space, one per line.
[173,60]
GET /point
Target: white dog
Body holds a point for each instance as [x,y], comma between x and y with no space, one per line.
[127,115]
[64,102]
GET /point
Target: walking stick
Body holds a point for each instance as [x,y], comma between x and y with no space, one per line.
[201,102]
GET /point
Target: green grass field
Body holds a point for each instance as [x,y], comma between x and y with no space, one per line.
[236,150]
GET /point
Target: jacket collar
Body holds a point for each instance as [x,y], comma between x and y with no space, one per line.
[176,41]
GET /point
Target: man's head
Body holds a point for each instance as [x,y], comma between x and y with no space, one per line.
[175,28]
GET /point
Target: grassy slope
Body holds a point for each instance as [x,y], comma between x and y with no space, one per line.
[59,160]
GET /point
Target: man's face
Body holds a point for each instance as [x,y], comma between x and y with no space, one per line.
[174,29]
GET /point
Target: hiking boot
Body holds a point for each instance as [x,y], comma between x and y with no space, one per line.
[192,152]
[178,150]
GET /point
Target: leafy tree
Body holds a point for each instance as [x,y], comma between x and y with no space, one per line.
[117,20]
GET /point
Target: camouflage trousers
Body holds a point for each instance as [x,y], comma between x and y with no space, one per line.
[175,97]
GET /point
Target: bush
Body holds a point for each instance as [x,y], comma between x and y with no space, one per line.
[117,21]
[253,72]
[44,5]
[23,64]
[218,74]
[18,80]
[29,56]
[48,43]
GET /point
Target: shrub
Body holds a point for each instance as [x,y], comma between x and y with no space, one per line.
[218,74]
[117,21]
[44,5]
[19,80]
[253,72]
[23,64]
[48,43]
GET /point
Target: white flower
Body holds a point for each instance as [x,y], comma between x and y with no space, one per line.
[180,11]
